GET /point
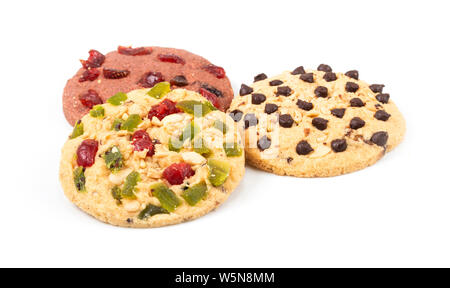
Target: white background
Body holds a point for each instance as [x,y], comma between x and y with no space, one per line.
[395,213]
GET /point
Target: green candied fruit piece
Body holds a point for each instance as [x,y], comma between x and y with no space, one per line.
[159,90]
[117,194]
[117,124]
[219,125]
[113,159]
[201,148]
[210,106]
[97,111]
[132,122]
[219,171]
[232,149]
[130,184]
[79,179]
[190,107]
[189,132]
[78,130]
[166,197]
[175,144]
[195,193]
[150,211]
[117,99]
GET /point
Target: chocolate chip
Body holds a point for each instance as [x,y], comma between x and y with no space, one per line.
[321,91]
[352,74]
[250,120]
[378,106]
[382,115]
[258,98]
[383,97]
[284,91]
[236,115]
[270,108]
[339,145]
[260,77]
[357,123]
[264,143]
[307,77]
[324,68]
[179,81]
[286,121]
[298,70]
[129,221]
[376,88]
[320,123]
[304,105]
[379,138]
[303,148]
[330,76]
[338,112]
[245,90]
[289,160]
[275,82]
[356,102]
[351,87]
[213,90]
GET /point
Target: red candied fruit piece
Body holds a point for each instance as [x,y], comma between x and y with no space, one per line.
[140,51]
[172,58]
[86,153]
[149,79]
[219,72]
[163,109]
[140,134]
[176,173]
[95,60]
[90,98]
[115,73]
[210,96]
[89,74]
[141,141]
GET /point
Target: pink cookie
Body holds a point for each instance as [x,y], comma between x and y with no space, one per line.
[128,69]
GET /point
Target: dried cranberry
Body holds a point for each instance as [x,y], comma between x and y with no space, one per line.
[176,173]
[140,134]
[163,109]
[142,144]
[219,72]
[95,60]
[115,73]
[86,153]
[172,58]
[90,98]
[141,141]
[89,74]
[140,51]
[210,96]
[149,79]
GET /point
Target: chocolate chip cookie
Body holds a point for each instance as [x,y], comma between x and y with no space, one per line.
[126,69]
[316,123]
